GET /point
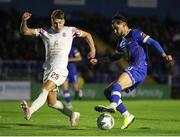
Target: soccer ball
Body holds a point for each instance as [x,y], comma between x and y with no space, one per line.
[105,121]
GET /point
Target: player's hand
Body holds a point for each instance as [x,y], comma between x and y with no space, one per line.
[26,16]
[93,61]
[91,54]
[167,58]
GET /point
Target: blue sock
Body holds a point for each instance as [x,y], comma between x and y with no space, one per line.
[116,97]
[115,93]
[67,96]
[121,108]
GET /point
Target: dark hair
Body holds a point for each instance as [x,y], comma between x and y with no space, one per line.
[118,18]
[57,14]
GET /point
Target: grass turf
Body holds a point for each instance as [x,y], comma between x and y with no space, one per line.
[153,118]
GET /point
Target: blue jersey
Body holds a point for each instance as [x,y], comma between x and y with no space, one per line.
[137,56]
[72,65]
[134,45]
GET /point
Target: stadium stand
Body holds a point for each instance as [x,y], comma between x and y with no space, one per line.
[16,47]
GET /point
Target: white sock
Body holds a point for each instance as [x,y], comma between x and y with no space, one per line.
[39,102]
[125,114]
[113,104]
[58,105]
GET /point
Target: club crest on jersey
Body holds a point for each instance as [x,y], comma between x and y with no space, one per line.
[64,34]
[123,43]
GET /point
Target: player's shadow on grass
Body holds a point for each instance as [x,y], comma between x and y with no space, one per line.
[24,125]
[9,125]
[34,125]
[145,128]
[43,126]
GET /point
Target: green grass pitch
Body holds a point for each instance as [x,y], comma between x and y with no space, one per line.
[153,118]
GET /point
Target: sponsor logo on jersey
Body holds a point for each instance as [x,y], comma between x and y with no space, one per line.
[123,43]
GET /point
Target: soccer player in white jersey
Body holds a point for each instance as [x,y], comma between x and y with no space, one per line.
[57,40]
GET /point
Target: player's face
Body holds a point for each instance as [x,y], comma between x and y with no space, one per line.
[119,29]
[58,24]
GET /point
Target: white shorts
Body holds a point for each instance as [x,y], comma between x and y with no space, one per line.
[58,76]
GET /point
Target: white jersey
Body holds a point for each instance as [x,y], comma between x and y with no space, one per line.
[57,45]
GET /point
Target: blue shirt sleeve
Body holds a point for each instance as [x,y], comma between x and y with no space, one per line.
[156,44]
[140,36]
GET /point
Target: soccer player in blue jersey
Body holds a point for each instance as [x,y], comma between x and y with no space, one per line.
[134,41]
[74,57]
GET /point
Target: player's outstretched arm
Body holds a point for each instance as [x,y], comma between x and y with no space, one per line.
[24,28]
[87,36]
[156,44]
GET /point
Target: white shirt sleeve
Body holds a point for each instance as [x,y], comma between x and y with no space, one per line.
[76,32]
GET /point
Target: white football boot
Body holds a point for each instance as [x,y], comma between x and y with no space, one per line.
[25,108]
[74,119]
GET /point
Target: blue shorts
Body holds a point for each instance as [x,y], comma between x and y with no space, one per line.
[72,77]
[137,75]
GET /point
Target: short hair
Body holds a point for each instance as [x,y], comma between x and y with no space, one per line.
[57,14]
[118,18]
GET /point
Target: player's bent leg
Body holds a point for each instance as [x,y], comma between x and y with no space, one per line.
[127,121]
[73,116]
[58,105]
[25,108]
[125,81]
